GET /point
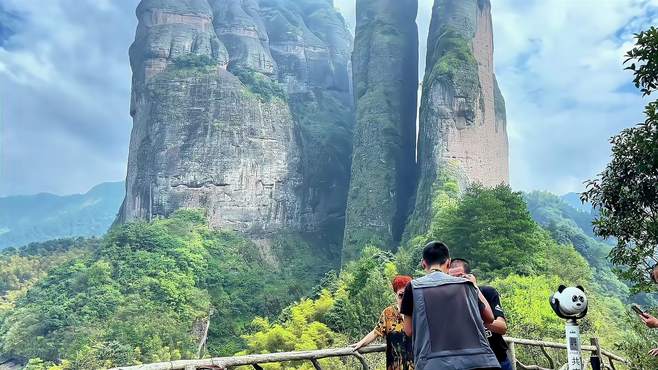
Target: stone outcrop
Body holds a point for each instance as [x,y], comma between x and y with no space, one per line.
[241,107]
[385,70]
[247,108]
[462,126]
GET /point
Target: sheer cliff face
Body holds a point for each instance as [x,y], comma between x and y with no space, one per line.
[231,114]
[385,65]
[462,116]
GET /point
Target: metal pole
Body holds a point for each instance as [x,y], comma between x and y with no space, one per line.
[573,345]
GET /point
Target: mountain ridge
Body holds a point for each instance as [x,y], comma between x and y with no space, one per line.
[44,216]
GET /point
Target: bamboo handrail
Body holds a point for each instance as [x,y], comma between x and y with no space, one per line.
[222,363]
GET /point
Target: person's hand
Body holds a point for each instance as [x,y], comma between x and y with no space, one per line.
[653,352]
[471,278]
[649,320]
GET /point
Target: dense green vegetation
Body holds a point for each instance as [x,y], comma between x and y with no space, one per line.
[341,310]
[142,293]
[625,194]
[259,84]
[139,294]
[21,268]
[189,65]
[568,226]
[492,228]
[194,61]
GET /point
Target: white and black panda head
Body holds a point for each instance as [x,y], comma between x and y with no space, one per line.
[569,303]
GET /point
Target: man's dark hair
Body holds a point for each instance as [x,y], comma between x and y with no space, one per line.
[435,253]
[463,262]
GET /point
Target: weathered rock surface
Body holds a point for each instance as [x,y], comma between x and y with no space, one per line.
[237,115]
[246,108]
[462,115]
[311,45]
[385,69]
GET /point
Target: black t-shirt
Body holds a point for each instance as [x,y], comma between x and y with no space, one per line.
[407,304]
[496,341]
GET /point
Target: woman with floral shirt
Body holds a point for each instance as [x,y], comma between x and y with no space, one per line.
[399,349]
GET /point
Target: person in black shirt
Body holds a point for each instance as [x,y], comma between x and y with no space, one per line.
[498,328]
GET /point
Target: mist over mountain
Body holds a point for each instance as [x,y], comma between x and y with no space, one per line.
[31,218]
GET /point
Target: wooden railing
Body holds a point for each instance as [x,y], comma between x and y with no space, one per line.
[595,348]
[223,363]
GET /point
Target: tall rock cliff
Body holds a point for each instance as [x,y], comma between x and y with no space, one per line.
[462,126]
[241,107]
[385,69]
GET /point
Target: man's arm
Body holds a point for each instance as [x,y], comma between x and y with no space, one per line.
[485,309]
[498,326]
[649,321]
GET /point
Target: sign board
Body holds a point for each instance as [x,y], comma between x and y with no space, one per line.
[573,346]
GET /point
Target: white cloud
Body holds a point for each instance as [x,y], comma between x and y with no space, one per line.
[64,94]
[65,88]
[559,64]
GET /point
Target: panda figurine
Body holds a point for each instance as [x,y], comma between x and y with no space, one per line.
[569,303]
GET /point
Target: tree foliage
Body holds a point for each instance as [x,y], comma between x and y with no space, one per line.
[194,61]
[137,294]
[644,60]
[345,307]
[259,84]
[300,330]
[141,294]
[567,225]
[626,192]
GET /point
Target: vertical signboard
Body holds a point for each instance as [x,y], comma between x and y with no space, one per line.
[573,346]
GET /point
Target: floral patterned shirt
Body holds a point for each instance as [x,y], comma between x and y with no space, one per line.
[399,346]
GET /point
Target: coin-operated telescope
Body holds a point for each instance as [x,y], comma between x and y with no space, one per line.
[571,304]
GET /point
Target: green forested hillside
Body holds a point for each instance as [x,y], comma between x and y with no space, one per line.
[492,228]
[568,225]
[144,292]
[32,218]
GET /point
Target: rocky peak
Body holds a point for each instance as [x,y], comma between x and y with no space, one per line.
[462,115]
[385,61]
[220,122]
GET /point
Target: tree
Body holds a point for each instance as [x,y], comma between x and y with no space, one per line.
[626,192]
[493,227]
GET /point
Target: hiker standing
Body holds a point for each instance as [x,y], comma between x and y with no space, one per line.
[446,317]
[461,268]
[399,349]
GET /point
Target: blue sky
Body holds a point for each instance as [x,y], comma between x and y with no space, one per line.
[65,88]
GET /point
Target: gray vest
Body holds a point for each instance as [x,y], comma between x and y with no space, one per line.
[448,329]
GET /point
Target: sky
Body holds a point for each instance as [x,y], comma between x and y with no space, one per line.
[65,88]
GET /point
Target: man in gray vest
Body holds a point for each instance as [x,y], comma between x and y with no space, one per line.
[445,315]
